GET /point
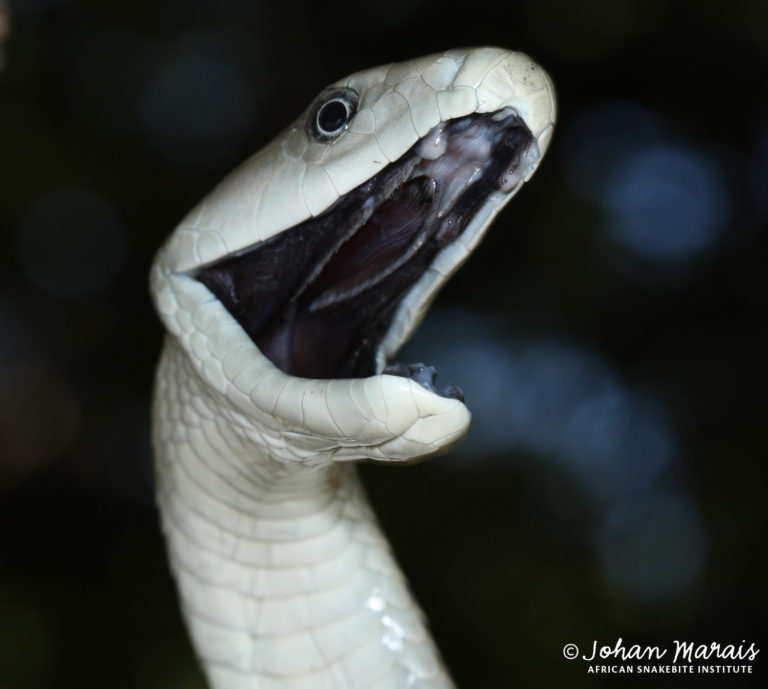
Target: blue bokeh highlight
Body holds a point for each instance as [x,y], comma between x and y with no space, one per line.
[565,404]
[665,201]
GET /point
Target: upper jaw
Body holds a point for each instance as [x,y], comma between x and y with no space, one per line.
[293,179]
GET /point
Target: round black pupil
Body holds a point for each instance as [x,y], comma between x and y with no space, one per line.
[332,116]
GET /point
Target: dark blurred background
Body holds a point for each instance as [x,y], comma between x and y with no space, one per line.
[609,333]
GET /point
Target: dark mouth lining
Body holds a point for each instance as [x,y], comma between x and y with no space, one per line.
[319,298]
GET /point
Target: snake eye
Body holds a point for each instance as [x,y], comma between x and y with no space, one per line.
[331,114]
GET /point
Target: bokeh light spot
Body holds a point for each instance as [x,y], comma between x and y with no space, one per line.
[663,201]
[197,107]
[666,203]
[652,546]
[558,400]
[40,413]
[70,243]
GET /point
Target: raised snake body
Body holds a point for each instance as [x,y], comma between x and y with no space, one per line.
[284,293]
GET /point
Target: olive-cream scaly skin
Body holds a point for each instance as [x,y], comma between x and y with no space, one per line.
[285,293]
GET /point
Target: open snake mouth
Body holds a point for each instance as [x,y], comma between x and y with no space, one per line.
[319,298]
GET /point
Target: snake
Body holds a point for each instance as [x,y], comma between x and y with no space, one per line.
[285,295]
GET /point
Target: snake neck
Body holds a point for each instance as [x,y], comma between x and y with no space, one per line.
[285,579]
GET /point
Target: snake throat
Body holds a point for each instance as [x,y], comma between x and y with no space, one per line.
[319,298]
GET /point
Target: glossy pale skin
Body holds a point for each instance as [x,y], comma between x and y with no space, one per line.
[285,579]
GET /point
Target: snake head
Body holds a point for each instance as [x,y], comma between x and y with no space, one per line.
[291,286]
